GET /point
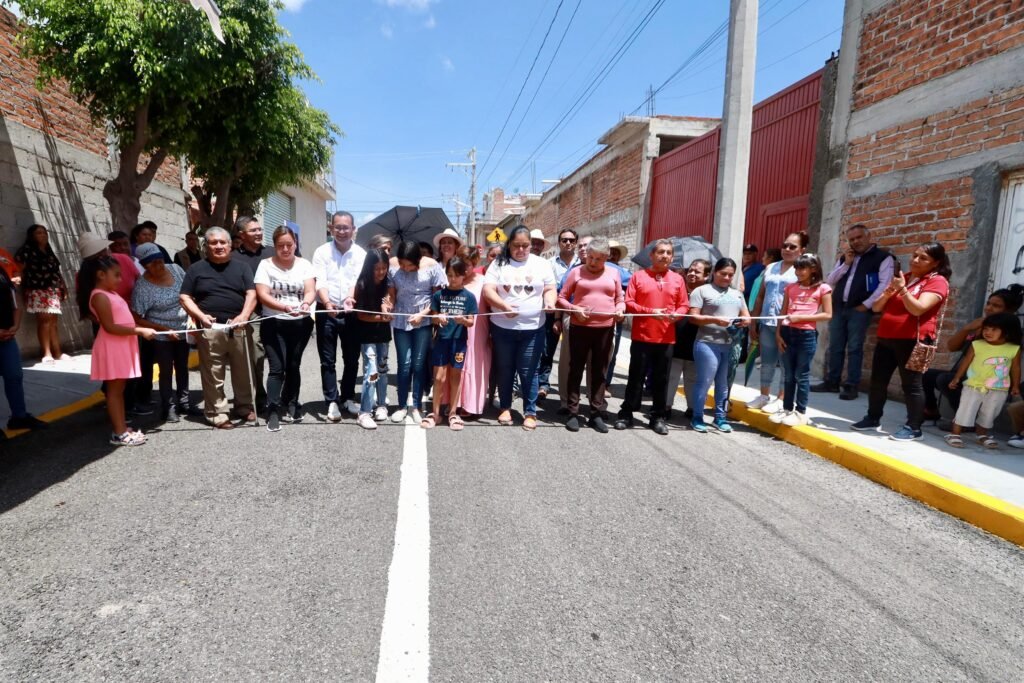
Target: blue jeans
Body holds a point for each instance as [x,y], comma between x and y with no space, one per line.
[846,332]
[10,370]
[712,361]
[796,361]
[518,352]
[769,355]
[375,362]
[412,347]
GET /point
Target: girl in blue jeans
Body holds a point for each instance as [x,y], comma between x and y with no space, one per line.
[805,303]
[374,337]
[410,288]
[719,310]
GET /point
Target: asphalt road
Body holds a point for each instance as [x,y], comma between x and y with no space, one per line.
[247,555]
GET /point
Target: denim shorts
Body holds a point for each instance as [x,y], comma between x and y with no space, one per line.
[450,352]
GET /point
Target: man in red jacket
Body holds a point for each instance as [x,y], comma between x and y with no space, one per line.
[661,292]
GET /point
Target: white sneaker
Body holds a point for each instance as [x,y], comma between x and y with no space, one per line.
[760,402]
[380,414]
[778,416]
[333,412]
[416,416]
[772,407]
[1016,441]
[352,407]
[399,415]
[365,421]
[795,419]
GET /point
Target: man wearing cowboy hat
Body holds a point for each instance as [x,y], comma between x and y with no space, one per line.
[538,242]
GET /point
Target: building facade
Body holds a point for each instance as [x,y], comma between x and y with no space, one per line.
[606,195]
[926,139]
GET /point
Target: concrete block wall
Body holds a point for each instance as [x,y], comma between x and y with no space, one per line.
[929,119]
[54,163]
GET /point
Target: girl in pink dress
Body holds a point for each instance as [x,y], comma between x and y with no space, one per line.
[477,369]
[115,353]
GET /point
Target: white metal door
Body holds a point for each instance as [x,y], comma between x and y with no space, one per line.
[1008,258]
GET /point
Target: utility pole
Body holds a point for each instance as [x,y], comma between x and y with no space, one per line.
[734,152]
[457,200]
[471,167]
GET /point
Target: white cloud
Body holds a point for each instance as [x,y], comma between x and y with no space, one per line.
[367,217]
[448,64]
[411,5]
[431,22]
[387,31]
[294,5]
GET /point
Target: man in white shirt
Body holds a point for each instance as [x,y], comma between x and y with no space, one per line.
[337,265]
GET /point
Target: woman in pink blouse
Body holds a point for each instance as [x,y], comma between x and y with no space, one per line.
[593,294]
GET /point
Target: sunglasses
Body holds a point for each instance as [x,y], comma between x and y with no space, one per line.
[567,240]
[790,247]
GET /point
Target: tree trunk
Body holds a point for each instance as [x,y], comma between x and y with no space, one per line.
[124,192]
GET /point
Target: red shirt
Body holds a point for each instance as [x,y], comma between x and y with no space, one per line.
[648,291]
[898,323]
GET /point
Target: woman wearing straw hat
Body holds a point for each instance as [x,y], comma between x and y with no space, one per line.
[445,245]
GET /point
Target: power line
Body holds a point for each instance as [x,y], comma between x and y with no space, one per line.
[535,92]
[523,86]
[593,85]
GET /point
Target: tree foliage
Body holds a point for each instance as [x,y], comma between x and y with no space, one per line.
[153,71]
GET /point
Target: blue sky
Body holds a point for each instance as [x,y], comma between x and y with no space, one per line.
[416,83]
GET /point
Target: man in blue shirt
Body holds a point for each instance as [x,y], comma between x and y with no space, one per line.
[561,263]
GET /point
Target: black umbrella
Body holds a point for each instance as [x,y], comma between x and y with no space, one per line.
[404,224]
[684,251]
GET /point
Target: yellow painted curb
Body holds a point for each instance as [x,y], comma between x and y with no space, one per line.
[980,509]
[92,400]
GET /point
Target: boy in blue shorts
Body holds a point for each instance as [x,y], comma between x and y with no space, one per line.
[455,309]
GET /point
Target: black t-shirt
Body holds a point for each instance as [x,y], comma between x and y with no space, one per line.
[686,335]
[8,302]
[252,258]
[219,288]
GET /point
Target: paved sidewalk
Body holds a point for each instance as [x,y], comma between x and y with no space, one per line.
[57,390]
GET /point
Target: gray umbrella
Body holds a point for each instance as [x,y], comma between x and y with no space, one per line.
[684,251]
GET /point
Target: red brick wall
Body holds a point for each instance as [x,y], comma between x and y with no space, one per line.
[613,187]
[902,220]
[909,42]
[983,124]
[53,111]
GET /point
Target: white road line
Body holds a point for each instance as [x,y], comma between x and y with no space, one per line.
[405,636]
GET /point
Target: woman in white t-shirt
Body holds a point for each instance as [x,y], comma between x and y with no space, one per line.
[285,285]
[523,286]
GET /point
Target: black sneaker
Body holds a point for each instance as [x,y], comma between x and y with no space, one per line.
[274,422]
[171,415]
[296,412]
[142,409]
[848,392]
[573,423]
[190,411]
[868,424]
[825,388]
[624,423]
[26,422]
[563,410]
[598,424]
[659,427]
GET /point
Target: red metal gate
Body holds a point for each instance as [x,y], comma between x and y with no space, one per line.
[783,143]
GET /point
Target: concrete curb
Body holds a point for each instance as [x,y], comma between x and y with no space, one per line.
[90,401]
[982,510]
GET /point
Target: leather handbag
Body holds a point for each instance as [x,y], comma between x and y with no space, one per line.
[924,353]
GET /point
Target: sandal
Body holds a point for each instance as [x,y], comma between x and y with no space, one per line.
[530,423]
[988,442]
[455,423]
[428,421]
[954,440]
[505,419]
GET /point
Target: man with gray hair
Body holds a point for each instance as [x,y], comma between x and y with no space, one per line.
[217,292]
[861,274]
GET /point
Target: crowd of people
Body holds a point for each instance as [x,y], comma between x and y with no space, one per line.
[473,328]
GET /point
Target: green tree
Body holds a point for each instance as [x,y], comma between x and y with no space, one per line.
[153,71]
